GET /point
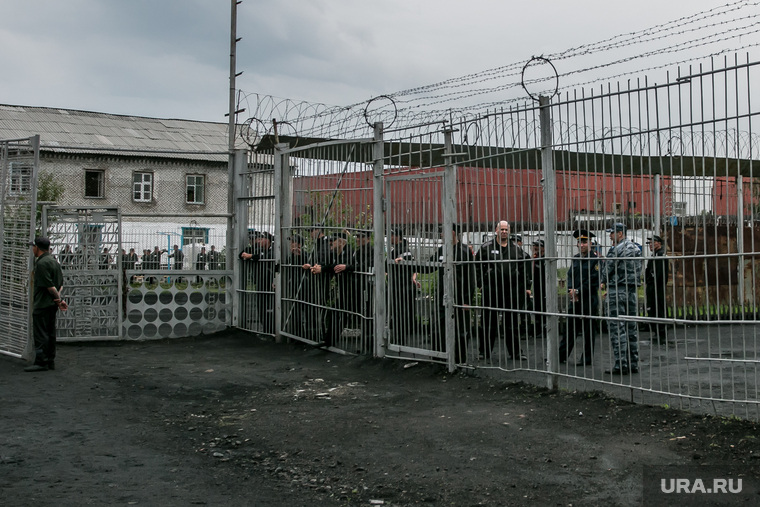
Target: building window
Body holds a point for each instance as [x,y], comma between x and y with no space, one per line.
[195,194]
[94,184]
[20,179]
[192,235]
[679,208]
[142,187]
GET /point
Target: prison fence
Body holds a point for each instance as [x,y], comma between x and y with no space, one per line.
[439,282]
[19,162]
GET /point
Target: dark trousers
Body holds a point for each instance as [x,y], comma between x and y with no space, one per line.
[490,330]
[657,307]
[461,331]
[43,327]
[578,324]
[265,311]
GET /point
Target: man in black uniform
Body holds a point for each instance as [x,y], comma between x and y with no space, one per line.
[583,291]
[259,269]
[317,285]
[656,279]
[402,286]
[200,260]
[213,259]
[48,283]
[539,288]
[338,267]
[362,299]
[293,287]
[178,257]
[524,326]
[464,286]
[501,275]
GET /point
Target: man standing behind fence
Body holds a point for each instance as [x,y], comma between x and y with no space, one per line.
[656,279]
[583,291]
[213,259]
[200,260]
[48,283]
[178,257]
[260,271]
[501,274]
[621,276]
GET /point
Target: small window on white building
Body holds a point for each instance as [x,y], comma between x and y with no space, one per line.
[94,183]
[20,181]
[192,235]
[195,189]
[679,208]
[142,187]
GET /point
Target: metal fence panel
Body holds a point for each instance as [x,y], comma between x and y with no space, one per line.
[86,242]
[19,162]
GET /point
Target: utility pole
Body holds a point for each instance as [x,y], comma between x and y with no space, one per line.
[231,252]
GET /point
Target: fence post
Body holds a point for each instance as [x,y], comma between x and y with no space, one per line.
[239,228]
[282,222]
[740,240]
[550,226]
[378,225]
[449,217]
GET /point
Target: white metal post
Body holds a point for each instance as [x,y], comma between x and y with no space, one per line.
[378,226]
[550,226]
[449,217]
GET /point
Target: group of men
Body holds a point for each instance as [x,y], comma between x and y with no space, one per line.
[308,281]
[506,275]
[618,276]
[153,259]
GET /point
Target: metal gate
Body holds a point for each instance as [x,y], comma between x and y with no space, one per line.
[326,280]
[19,161]
[415,265]
[87,243]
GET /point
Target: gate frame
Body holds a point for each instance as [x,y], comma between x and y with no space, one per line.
[34,145]
[117,258]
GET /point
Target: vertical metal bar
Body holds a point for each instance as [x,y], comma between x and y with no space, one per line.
[282,222]
[120,278]
[239,228]
[550,226]
[378,227]
[449,217]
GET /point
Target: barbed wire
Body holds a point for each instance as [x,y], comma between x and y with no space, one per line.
[425,109]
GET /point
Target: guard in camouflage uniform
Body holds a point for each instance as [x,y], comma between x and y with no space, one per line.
[621,276]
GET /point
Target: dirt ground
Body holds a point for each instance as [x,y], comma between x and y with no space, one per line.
[234,419]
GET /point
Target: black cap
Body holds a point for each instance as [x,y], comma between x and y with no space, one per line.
[656,238]
[41,242]
[338,235]
[316,225]
[397,231]
[515,237]
[361,234]
[617,227]
[583,234]
[540,242]
[296,238]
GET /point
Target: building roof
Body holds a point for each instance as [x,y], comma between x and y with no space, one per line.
[80,132]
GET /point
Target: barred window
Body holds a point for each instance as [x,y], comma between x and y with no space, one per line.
[94,184]
[192,235]
[142,187]
[195,193]
[20,178]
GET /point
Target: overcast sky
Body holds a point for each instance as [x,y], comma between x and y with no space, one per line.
[170,58]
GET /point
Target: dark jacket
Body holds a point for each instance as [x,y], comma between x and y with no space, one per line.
[583,276]
[464,274]
[502,274]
